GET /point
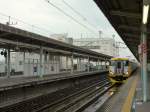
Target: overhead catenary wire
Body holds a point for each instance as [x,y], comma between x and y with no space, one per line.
[25,23]
[78,13]
[69,16]
[74,10]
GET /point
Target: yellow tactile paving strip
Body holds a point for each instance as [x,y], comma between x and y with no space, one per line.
[128,102]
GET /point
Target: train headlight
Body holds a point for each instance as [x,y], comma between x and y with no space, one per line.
[111,72]
[127,73]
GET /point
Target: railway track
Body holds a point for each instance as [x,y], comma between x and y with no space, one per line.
[77,96]
[78,101]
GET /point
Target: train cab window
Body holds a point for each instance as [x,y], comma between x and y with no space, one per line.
[126,63]
[119,65]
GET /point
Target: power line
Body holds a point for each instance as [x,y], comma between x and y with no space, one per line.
[69,16]
[25,23]
[79,14]
[74,10]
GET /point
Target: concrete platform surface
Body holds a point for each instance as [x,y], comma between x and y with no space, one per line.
[140,106]
[145,107]
[121,100]
[16,82]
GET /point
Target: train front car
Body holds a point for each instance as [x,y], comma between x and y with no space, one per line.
[119,70]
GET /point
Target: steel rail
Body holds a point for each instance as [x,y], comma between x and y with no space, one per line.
[66,102]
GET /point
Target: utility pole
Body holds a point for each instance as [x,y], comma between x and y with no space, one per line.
[100,34]
[118,47]
[7,57]
[9,22]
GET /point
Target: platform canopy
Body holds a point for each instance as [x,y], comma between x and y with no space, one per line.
[11,37]
[126,17]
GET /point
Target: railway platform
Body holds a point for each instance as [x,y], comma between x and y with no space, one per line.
[36,91]
[129,97]
[140,105]
[16,91]
[43,76]
[123,97]
[131,20]
[18,82]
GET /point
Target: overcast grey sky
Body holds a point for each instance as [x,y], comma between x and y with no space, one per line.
[43,15]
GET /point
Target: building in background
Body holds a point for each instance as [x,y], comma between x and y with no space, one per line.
[101,45]
[63,38]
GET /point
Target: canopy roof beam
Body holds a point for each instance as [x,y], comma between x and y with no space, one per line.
[126,14]
[134,28]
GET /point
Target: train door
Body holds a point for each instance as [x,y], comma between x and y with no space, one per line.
[119,67]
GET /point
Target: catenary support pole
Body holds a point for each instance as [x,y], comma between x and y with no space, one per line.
[144,62]
[67,63]
[24,54]
[72,67]
[8,63]
[88,63]
[41,63]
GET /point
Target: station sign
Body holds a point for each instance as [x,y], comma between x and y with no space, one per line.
[142,48]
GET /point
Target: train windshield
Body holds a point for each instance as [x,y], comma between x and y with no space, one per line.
[119,66]
[119,63]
